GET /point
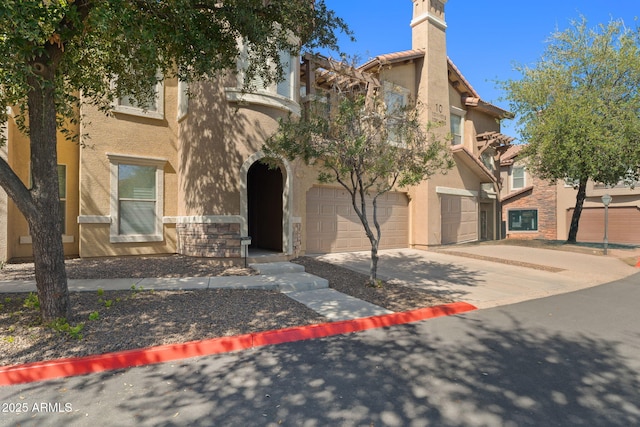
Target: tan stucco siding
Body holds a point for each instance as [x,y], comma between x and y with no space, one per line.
[403,75]
[621,197]
[18,243]
[134,136]
[215,140]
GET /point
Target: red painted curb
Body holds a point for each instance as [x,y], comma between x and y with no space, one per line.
[60,368]
[638,263]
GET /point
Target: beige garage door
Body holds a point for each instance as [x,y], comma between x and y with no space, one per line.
[624,225]
[333,226]
[459,218]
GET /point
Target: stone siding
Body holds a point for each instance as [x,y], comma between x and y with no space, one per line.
[297,239]
[209,240]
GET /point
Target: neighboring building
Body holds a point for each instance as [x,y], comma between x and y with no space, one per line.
[624,213]
[461,206]
[184,175]
[528,203]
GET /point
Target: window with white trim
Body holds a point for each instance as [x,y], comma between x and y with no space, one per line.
[517,177]
[286,87]
[523,220]
[153,109]
[457,125]
[62,193]
[136,198]
[282,95]
[183,99]
[395,99]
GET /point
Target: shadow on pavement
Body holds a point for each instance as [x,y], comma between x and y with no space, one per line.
[482,375]
[443,279]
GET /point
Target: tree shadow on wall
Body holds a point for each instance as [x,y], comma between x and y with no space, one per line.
[215,140]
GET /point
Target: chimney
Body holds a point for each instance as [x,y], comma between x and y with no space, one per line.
[429,34]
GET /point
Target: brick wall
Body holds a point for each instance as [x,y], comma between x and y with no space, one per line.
[209,240]
[543,198]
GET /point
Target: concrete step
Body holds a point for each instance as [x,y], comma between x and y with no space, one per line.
[286,282]
[274,268]
[267,258]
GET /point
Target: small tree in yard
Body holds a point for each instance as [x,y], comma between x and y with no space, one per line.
[367,148]
[579,108]
[52,50]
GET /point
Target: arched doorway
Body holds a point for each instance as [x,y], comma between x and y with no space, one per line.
[264,203]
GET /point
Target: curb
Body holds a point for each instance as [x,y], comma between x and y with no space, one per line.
[61,368]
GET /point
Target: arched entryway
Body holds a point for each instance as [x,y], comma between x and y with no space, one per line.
[264,203]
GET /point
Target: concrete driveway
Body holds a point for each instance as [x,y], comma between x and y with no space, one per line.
[490,275]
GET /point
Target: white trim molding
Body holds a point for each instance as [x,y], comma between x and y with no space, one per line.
[27,240]
[441,24]
[94,219]
[204,219]
[456,191]
[262,97]
[114,161]
[287,203]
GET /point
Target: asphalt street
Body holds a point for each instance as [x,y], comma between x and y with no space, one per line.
[565,360]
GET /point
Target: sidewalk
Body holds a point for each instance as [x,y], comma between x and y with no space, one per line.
[492,275]
[288,278]
[482,276]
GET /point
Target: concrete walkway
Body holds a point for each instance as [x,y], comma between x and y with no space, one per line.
[286,277]
[504,275]
[491,275]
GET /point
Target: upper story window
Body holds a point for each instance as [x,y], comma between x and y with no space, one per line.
[153,109]
[183,99]
[395,99]
[282,95]
[286,87]
[517,177]
[488,159]
[457,125]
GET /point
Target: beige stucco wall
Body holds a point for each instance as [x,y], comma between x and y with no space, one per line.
[216,138]
[621,197]
[18,245]
[128,135]
[4,200]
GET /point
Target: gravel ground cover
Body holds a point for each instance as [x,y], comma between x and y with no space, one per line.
[136,318]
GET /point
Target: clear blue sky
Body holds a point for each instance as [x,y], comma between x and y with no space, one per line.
[484,39]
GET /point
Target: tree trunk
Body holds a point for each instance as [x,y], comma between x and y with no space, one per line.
[373,239]
[577,211]
[373,272]
[44,221]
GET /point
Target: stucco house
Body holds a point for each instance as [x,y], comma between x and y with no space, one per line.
[533,208]
[529,204]
[623,216]
[184,174]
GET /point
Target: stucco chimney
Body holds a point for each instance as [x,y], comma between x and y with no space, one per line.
[429,34]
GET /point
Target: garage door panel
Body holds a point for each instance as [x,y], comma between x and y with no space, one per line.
[342,230]
[458,218]
[623,225]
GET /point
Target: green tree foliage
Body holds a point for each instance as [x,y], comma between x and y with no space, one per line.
[367,147]
[579,108]
[53,50]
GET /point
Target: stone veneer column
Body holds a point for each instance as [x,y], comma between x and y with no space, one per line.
[211,240]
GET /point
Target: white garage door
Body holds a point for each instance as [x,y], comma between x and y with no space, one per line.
[459,218]
[333,226]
